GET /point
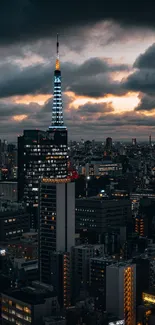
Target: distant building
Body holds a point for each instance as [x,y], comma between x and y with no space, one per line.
[14,221]
[102,168]
[108,144]
[121,291]
[97,214]
[134,141]
[9,191]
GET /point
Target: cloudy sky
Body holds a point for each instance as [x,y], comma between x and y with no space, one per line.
[107,53]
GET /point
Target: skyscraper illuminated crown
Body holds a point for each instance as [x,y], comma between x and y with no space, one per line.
[57,110]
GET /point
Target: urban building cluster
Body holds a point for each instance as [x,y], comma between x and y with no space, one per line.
[77,228]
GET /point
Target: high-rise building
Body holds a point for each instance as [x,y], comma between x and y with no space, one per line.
[121,291]
[43,153]
[134,141]
[150,140]
[56,221]
[108,144]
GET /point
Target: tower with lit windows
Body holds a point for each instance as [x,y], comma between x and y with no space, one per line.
[57,129]
[43,153]
[57,112]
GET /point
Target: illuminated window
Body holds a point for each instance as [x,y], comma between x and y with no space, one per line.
[27,310]
[19,307]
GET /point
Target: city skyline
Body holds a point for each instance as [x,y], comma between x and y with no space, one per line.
[107,65]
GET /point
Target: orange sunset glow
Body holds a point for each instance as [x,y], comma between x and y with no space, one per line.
[19,118]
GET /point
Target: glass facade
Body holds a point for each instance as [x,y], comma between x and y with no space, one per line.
[41,154]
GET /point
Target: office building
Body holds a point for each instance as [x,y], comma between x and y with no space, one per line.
[102,169]
[80,268]
[56,221]
[14,221]
[28,305]
[96,215]
[43,154]
[121,291]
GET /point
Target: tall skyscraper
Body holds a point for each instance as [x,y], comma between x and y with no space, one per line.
[108,144]
[134,141]
[56,222]
[43,153]
[150,140]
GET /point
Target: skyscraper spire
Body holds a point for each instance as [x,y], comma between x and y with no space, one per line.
[57,112]
[57,65]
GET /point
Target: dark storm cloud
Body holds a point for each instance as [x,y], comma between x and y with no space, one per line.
[34,79]
[143,79]
[32,19]
[147,103]
[10,109]
[92,108]
[95,66]
[97,86]
[147,59]
[37,79]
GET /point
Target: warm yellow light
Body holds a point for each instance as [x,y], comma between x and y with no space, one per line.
[57,64]
[40,99]
[55,180]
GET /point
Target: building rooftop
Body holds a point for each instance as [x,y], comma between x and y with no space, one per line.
[103,259]
[8,182]
[122,264]
[10,213]
[102,198]
[31,295]
[86,246]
